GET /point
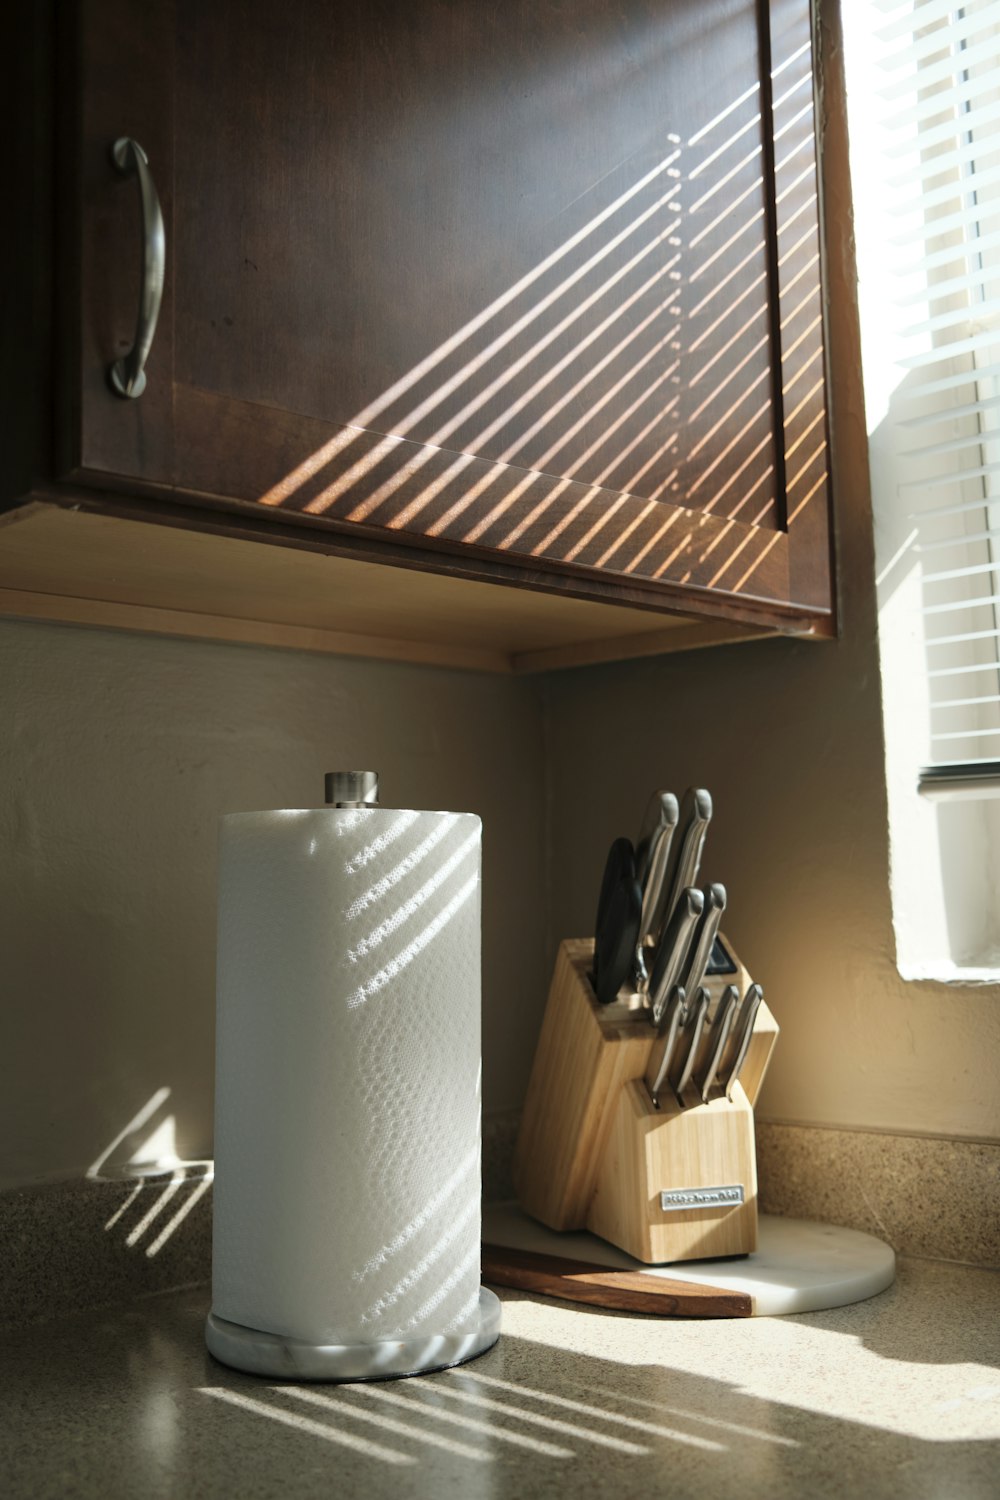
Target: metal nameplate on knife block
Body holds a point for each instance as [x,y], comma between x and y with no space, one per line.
[594,1152]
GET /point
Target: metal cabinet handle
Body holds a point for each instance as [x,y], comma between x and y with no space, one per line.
[128,375]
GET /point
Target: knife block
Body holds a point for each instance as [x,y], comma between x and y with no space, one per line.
[593,1152]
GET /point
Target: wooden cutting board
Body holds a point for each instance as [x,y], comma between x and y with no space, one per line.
[603,1286]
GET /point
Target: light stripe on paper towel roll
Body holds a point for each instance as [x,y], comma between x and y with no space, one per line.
[347,1187]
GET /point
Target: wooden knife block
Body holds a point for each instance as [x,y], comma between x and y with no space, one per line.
[594,1153]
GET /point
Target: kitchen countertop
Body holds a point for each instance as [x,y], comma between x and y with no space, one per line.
[896,1396]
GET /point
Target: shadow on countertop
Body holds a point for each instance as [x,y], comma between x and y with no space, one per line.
[913,1320]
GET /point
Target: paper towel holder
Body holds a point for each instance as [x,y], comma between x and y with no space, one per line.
[352,788]
[253,1325]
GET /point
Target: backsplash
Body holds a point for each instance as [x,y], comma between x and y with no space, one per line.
[67,1246]
[930,1196]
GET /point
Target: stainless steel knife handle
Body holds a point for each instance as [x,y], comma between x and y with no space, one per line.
[685,855]
[744,1032]
[128,375]
[694,842]
[721,1027]
[673,950]
[652,890]
[695,1026]
[652,854]
[662,812]
[704,938]
[663,1048]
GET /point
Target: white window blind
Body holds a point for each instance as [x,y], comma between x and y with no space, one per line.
[924,118]
[940,117]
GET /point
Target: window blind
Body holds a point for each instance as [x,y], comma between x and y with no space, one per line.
[940,108]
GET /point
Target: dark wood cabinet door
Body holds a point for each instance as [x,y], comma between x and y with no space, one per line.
[526,291]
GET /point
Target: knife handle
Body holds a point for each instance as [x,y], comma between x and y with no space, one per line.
[685,856]
[660,818]
[695,1025]
[721,1026]
[652,892]
[744,1032]
[661,1056]
[673,950]
[704,938]
[658,853]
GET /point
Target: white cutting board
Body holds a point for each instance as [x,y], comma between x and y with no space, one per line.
[798,1266]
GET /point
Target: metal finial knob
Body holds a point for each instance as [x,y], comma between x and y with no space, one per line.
[352,788]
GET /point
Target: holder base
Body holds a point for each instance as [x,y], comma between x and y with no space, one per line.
[707,1147]
[294,1359]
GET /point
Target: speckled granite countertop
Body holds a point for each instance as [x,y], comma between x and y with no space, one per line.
[897,1396]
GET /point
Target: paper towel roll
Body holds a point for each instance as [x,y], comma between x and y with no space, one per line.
[348,1055]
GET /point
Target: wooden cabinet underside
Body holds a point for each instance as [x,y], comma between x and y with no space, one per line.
[65,565]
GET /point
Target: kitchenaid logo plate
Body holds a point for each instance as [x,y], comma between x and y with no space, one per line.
[674,1199]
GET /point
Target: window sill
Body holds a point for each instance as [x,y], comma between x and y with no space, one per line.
[944,971]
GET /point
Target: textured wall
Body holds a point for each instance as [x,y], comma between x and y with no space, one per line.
[118,753]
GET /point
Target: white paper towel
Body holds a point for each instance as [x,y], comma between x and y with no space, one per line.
[348,1054]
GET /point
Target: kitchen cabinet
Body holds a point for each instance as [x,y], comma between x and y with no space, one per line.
[501,324]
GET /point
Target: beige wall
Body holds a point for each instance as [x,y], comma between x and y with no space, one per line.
[118,753]
[786,735]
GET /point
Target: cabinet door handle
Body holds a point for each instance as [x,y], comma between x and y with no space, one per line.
[128,375]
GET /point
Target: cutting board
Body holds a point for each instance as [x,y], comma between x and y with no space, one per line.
[798,1267]
[603,1286]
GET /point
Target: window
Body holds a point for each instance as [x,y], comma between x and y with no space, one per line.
[924,117]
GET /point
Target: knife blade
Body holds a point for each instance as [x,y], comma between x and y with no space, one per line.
[721,1027]
[692,1032]
[673,950]
[686,847]
[661,1056]
[743,1031]
[704,938]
